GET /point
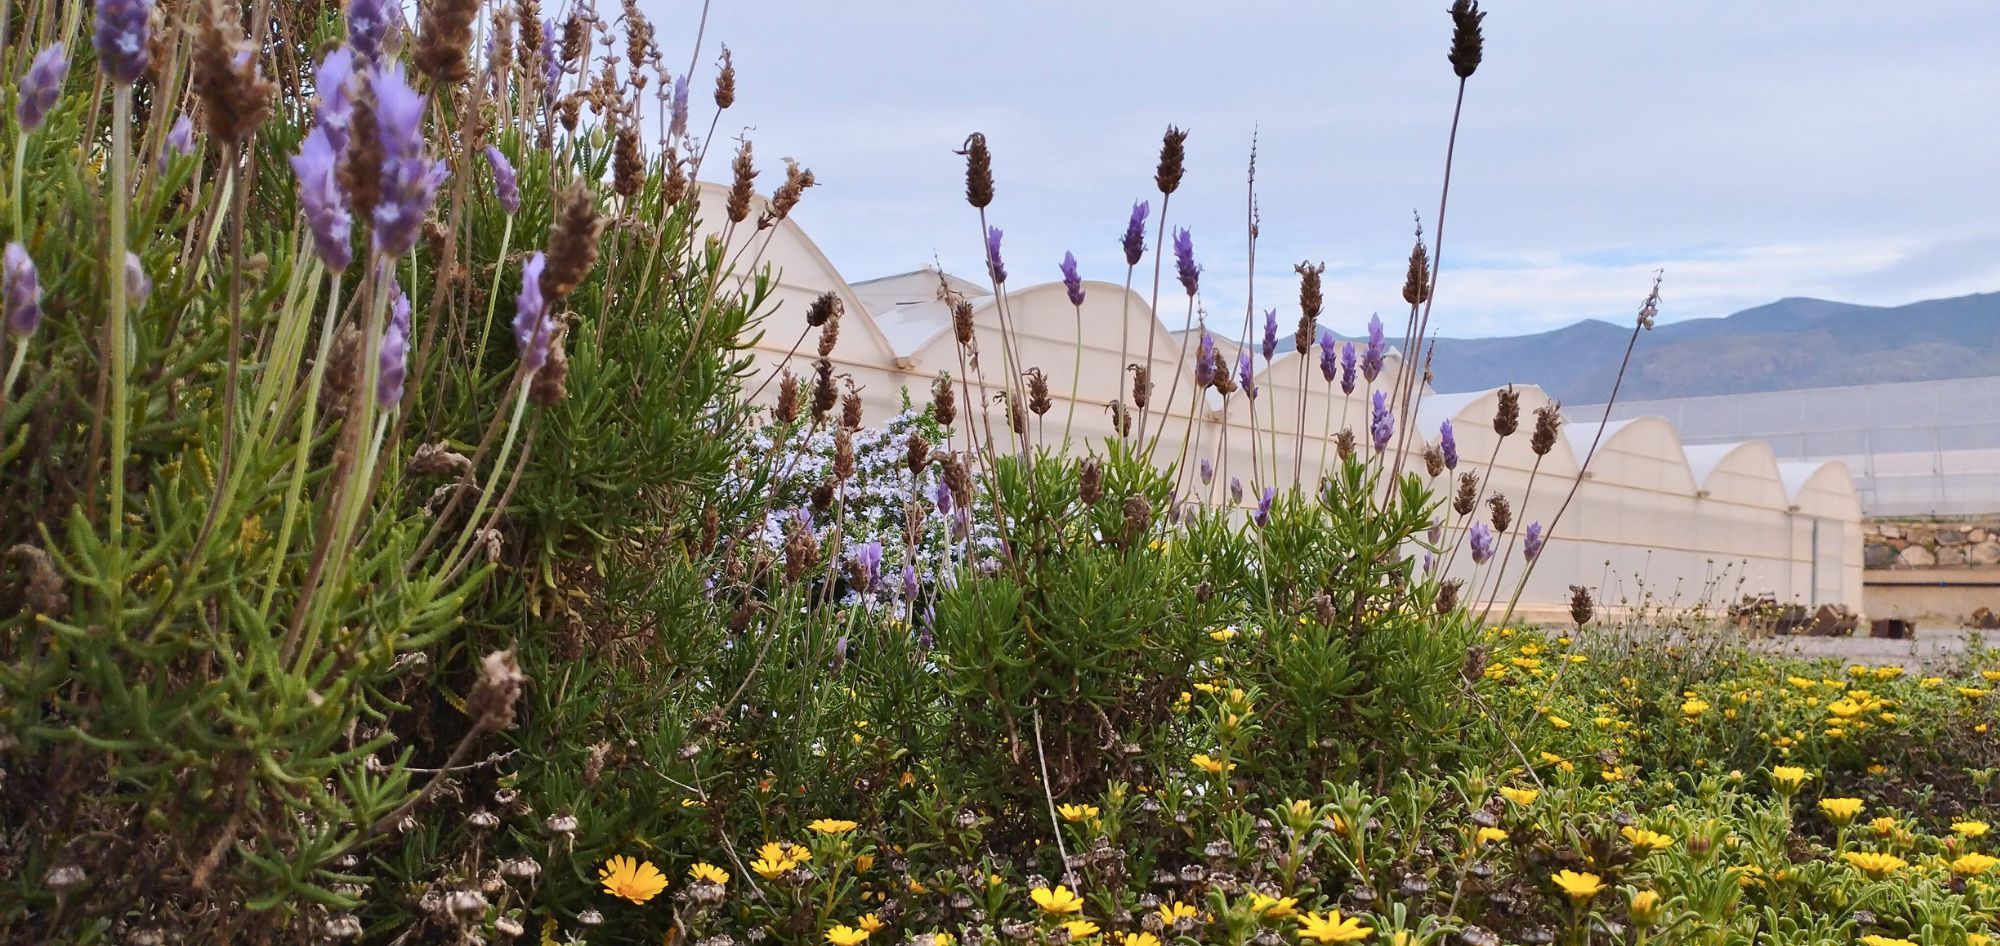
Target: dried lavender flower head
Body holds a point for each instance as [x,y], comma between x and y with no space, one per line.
[40,86]
[123,38]
[1173,161]
[1134,240]
[506,184]
[1467,42]
[1072,279]
[23,291]
[978,171]
[1190,274]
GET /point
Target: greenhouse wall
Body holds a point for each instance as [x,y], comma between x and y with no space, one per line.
[1653,522]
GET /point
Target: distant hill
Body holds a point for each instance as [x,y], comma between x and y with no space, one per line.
[1788,344]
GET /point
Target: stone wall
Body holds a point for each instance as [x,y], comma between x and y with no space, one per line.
[1930,543]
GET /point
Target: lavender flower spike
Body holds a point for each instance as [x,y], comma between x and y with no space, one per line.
[1204,361]
[532,327]
[1246,377]
[394,360]
[506,184]
[317,168]
[994,266]
[1263,514]
[334,111]
[137,286]
[1371,360]
[1483,543]
[1329,356]
[869,556]
[180,141]
[1448,445]
[911,587]
[1381,423]
[23,291]
[1207,471]
[40,87]
[1531,541]
[410,178]
[1190,274]
[1072,280]
[1235,489]
[677,126]
[367,27]
[942,497]
[1270,334]
[1135,233]
[123,39]
[1347,368]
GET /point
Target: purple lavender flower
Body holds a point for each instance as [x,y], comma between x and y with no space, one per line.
[23,291]
[869,556]
[123,39]
[1135,233]
[137,286]
[995,267]
[1380,422]
[911,587]
[1448,445]
[1329,356]
[1347,368]
[532,327]
[1190,274]
[677,126]
[1246,377]
[1263,514]
[506,184]
[394,356]
[1072,280]
[325,207]
[1270,334]
[1531,541]
[410,178]
[180,141]
[367,27]
[802,516]
[1430,563]
[40,86]
[552,65]
[1235,489]
[1371,361]
[1482,543]
[335,109]
[1204,361]
[942,497]
[1207,472]
[1436,532]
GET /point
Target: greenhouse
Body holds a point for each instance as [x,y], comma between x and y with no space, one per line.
[1652,520]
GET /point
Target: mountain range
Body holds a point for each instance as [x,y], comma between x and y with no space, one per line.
[1785,345]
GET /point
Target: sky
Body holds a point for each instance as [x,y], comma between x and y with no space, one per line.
[1841,149]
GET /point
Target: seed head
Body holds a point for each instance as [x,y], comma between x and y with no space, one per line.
[1039,400]
[725,81]
[491,702]
[1468,493]
[444,33]
[1503,513]
[850,406]
[745,183]
[551,383]
[1548,420]
[1581,608]
[1467,43]
[1343,443]
[944,402]
[1090,482]
[1173,160]
[628,163]
[824,395]
[572,242]
[788,194]
[1142,384]
[1417,279]
[1433,461]
[787,411]
[1507,415]
[978,171]
[235,98]
[916,453]
[1447,599]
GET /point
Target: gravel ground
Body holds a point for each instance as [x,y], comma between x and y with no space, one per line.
[1929,646]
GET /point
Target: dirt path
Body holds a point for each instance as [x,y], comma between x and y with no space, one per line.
[1928,647]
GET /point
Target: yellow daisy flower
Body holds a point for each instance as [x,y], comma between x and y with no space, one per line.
[637,881]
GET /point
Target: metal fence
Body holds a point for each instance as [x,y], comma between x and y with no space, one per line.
[1926,448]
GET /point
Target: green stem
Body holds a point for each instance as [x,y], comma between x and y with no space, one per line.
[493,295]
[302,449]
[499,464]
[114,262]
